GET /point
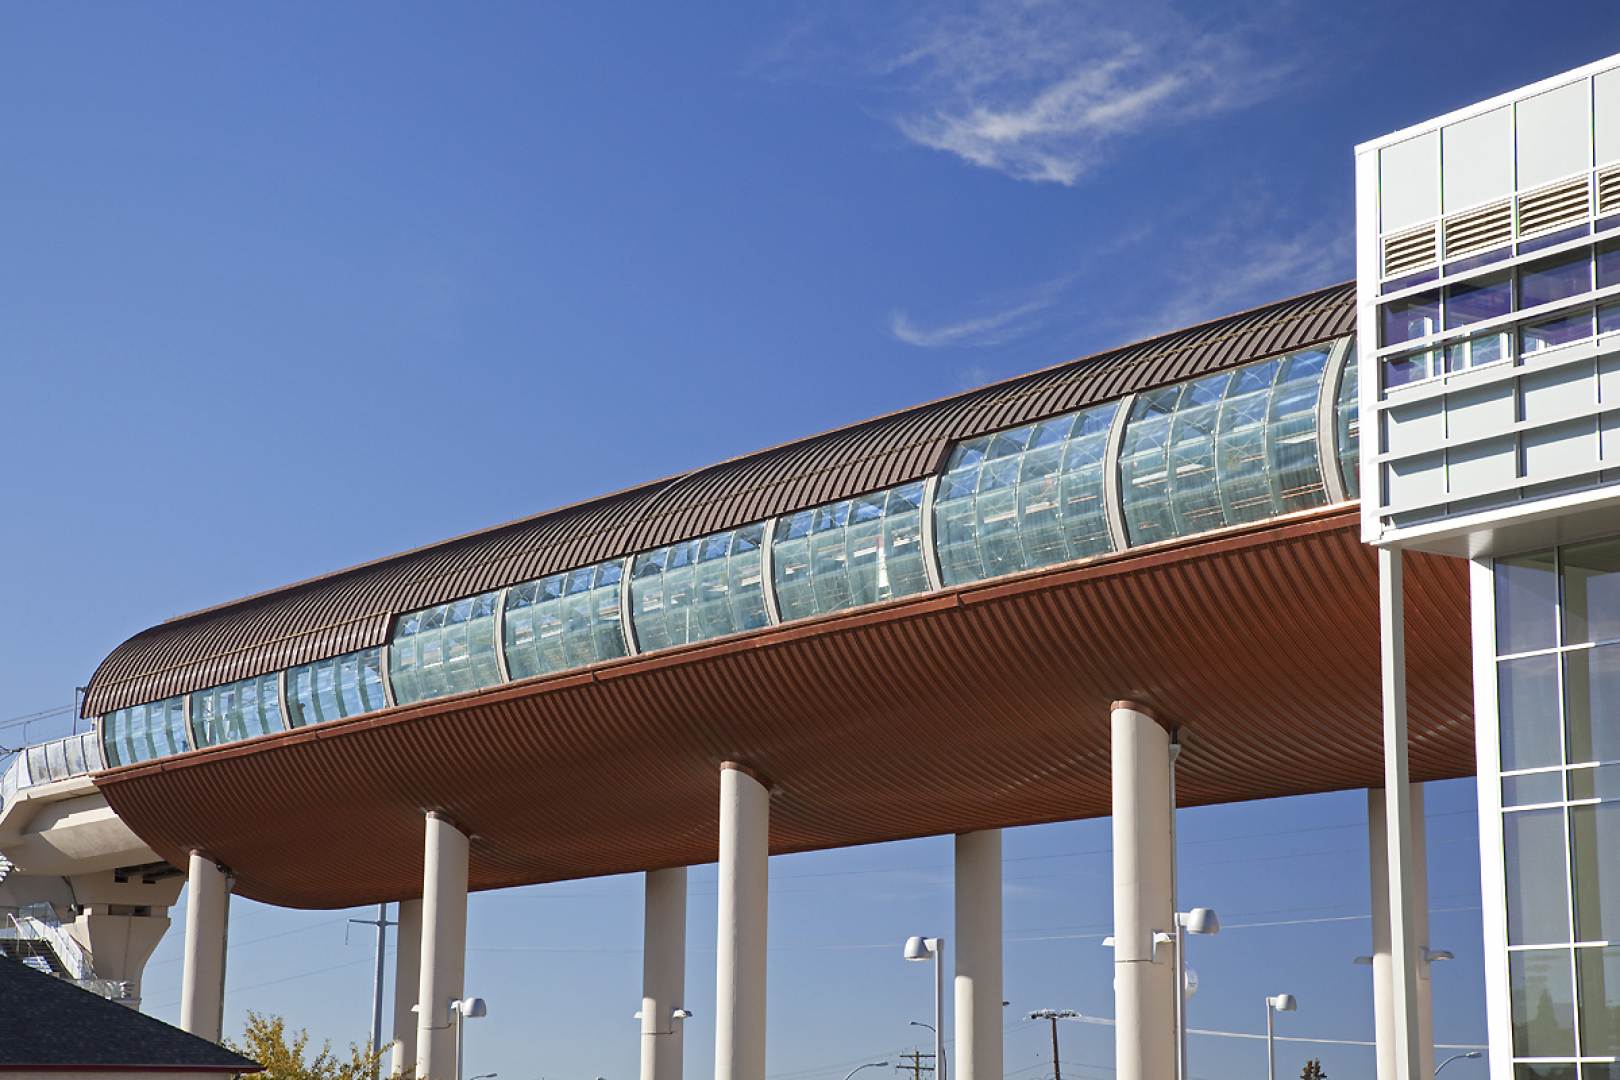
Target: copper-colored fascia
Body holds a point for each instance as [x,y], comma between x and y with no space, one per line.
[983,706]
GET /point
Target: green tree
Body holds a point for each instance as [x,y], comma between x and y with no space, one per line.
[266,1041]
[1313,1070]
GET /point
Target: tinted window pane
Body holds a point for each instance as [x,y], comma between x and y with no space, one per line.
[1595,853]
[1532,788]
[1592,592]
[1592,696]
[563,621]
[348,685]
[445,649]
[1479,300]
[1415,317]
[1526,603]
[1561,330]
[1527,706]
[1537,897]
[1348,409]
[699,589]
[1541,986]
[857,551]
[239,710]
[1598,971]
[1554,279]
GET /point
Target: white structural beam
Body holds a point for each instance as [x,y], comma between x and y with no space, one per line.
[978,956]
[202,978]
[1383,963]
[663,974]
[739,1022]
[407,983]
[443,955]
[1404,944]
[1144,974]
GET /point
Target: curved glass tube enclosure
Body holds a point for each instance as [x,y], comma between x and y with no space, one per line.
[1233,447]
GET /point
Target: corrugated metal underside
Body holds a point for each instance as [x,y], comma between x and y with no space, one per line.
[975,708]
[351,609]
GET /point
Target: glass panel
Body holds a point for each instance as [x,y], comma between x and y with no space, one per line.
[1543,1070]
[238,710]
[1526,603]
[1348,408]
[330,689]
[1532,788]
[1527,705]
[445,649]
[1485,298]
[1401,370]
[1557,278]
[1598,972]
[1602,782]
[1296,470]
[1479,351]
[1144,468]
[698,589]
[1560,330]
[1195,504]
[1085,515]
[1595,843]
[954,538]
[1608,264]
[1537,894]
[1412,318]
[563,621]
[1540,984]
[1592,703]
[1592,592]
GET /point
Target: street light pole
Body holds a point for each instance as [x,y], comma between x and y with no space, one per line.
[1274,1004]
[1454,1057]
[856,1069]
[382,924]
[920,948]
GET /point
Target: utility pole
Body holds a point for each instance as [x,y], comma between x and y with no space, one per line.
[382,924]
[1054,1015]
[916,1067]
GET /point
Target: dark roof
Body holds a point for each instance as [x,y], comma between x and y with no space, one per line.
[46,1022]
[353,608]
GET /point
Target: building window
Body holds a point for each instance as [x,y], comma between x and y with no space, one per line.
[564,621]
[444,649]
[1558,712]
[142,732]
[238,710]
[848,553]
[1347,425]
[698,589]
[1024,498]
[338,686]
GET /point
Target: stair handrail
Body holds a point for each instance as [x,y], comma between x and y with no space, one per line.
[73,956]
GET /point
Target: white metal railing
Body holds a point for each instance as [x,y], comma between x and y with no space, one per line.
[47,762]
[38,922]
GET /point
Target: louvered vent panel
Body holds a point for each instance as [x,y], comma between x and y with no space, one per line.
[1479,229]
[1609,190]
[1561,204]
[1409,251]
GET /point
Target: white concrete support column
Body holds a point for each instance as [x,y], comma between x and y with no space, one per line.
[444,947]
[407,983]
[978,956]
[1404,944]
[1383,965]
[663,974]
[1144,976]
[202,979]
[739,1022]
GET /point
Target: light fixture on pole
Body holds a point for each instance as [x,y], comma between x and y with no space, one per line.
[933,948]
[461,1010]
[1276,1003]
[1454,1057]
[1200,920]
[1054,1015]
[868,1065]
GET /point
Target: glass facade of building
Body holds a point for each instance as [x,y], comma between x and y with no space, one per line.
[851,552]
[563,621]
[1226,449]
[1029,497]
[445,649]
[1558,718]
[141,732]
[331,689]
[699,589]
[238,710]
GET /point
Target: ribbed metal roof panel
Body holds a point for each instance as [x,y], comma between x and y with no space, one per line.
[352,609]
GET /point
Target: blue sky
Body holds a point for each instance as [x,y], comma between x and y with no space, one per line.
[289,288]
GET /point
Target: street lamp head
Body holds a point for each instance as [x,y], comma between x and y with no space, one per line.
[1434,956]
[472,1008]
[681,1014]
[1203,920]
[921,948]
[1283,1002]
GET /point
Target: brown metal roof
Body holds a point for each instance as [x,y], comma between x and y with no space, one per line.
[352,609]
[977,707]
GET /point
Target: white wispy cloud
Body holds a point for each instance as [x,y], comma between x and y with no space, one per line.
[999,320]
[1038,89]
